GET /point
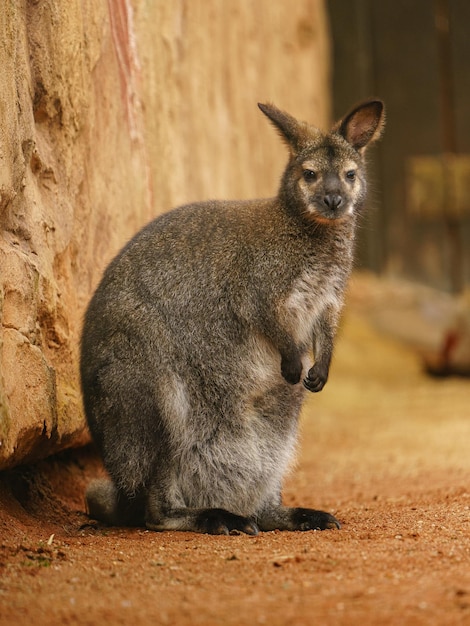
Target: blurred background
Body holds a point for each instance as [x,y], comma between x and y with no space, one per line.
[416,56]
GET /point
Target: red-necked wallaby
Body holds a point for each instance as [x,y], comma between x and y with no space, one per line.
[196,344]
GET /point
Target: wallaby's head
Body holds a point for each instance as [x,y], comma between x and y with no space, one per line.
[325,178]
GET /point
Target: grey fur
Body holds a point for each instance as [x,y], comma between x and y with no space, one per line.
[195,342]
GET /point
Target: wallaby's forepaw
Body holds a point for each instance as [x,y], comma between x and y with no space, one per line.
[222,522]
[315,379]
[309,519]
[291,370]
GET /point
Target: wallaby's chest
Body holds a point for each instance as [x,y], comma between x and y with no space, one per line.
[310,297]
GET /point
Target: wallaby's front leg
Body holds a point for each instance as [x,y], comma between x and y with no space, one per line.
[324,333]
[291,357]
[291,364]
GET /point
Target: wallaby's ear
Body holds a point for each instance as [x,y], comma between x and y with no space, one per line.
[292,132]
[363,125]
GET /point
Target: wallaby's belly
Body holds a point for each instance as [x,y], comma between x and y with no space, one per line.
[233,442]
[227,417]
[237,471]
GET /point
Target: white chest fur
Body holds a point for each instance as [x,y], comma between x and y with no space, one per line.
[307,302]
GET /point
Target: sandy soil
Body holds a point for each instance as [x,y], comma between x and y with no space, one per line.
[383,447]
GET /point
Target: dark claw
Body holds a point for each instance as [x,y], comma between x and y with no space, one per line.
[313,385]
[314,380]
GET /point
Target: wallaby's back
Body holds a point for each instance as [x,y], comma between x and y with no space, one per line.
[196,340]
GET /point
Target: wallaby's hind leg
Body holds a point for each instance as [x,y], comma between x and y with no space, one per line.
[165,512]
[106,503]
[210,521]
[295,518]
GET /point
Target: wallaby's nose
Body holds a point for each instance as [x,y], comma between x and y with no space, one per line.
[333,201]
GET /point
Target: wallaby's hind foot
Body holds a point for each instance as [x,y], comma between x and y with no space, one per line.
[309,519]
[209,521]
[287,518]
[105,503]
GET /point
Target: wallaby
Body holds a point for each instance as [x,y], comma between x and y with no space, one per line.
[197,339]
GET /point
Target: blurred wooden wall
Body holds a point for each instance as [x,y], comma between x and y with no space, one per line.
[416,56]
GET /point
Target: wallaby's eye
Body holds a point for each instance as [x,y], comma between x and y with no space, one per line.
[309,176]
[351,175]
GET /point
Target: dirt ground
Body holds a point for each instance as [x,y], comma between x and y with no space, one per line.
[384,447]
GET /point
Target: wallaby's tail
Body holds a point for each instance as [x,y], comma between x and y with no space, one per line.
[105,503]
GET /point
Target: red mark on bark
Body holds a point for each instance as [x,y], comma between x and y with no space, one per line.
[122,30]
